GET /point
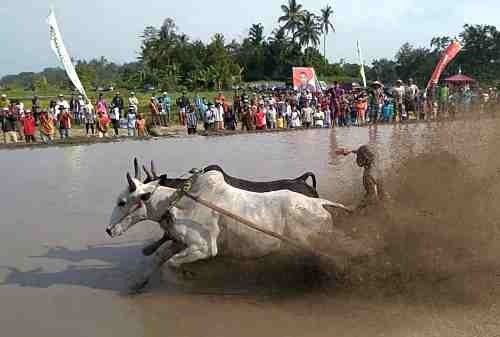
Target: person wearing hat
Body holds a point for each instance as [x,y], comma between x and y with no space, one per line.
[62,104]
[4,102]
[398,92]
[9,125]
[133,103]
[28,123]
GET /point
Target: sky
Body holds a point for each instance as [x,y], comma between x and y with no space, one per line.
[111,28]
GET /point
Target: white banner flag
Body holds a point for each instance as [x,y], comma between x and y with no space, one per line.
[362,64]
[59,49]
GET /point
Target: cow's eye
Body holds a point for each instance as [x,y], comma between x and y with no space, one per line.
[122,203]
[146,197]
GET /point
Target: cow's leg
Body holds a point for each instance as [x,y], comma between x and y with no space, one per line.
[189,255]
[163,254]
[152,248]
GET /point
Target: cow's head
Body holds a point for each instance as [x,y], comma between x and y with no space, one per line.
[132,204]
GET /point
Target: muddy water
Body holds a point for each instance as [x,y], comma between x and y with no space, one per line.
[436,271]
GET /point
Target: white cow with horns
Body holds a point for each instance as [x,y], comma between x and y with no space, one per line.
[201,233]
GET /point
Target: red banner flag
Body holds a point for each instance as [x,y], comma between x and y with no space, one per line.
[448,55]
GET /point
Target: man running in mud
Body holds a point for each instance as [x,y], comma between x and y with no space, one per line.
[365,158]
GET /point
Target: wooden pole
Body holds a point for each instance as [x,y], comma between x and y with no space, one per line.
[253,226]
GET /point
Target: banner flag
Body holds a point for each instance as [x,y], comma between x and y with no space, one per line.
[448,55]
[59,49]
[362,64]
[305,79]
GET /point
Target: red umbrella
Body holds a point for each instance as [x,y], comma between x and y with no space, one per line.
[459,78]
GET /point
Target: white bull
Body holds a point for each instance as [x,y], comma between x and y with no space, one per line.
[201,233]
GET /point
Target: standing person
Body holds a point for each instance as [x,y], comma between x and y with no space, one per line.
[133,102]
[115,119]
[80,111]
[245,119]
[444,94]
[271,116]
[361,106]
[230,118]
[182,105]
[101,105]
[219,116]
[102,124]
[29,128]
[166,107]
[307,113]
[192,120]
[47,129]
[131,122]
[198,104]
[140,126]
[398,93]
[89,118]
[155,113]
[295,118]
[61,104]
[64,124]
[209,118]
[35,108]
[74,107]
[260,119]
[117,102]
[318,118]
[411,95]
[9,124]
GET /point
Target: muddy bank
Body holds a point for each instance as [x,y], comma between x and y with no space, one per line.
[79,138]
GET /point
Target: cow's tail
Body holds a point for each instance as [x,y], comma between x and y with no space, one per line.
[309,175]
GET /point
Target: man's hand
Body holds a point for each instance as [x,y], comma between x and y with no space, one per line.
[343,152]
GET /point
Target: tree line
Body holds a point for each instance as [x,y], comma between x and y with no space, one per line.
[171,60]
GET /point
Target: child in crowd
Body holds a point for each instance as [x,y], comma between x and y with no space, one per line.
[140,126]
[47,128]
[29,127]
[191,120]
[131,121]
[102,123]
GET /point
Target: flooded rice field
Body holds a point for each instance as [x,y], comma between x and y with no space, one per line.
[434,271]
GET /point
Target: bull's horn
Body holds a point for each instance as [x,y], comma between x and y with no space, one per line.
[136,169]
[148,175]
[153,170]
[131,184]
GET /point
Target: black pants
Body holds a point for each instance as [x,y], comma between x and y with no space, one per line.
[116,125]
[191,131]
[89,126]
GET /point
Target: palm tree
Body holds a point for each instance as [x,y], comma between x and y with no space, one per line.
[326,24]
[256,34]
[309,31]
[293,14]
